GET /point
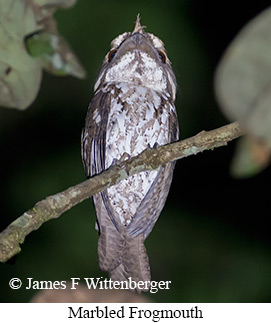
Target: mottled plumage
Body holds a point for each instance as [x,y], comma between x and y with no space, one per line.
[132,109]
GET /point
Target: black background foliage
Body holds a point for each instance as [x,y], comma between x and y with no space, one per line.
[212,239]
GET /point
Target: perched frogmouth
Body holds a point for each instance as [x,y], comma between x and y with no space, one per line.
[132,109]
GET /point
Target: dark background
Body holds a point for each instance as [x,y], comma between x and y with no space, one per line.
[212,239]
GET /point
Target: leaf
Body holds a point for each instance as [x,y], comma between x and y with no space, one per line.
[250,158]
[243,78]
[54,54]
[20,74]
[29,41]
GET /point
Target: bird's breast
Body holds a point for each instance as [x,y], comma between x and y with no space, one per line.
[138,119]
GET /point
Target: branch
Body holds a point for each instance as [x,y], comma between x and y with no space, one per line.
[53,206]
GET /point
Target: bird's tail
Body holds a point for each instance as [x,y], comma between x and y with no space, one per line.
[124,257]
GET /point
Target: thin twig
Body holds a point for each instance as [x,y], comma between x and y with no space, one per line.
[55,205]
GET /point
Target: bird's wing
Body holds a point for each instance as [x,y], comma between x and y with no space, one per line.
[153,203]
[94,134]
[93,150]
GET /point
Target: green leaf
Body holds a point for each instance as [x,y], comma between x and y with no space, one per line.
[20,74]
[243,78]
[250,158]
[39,44]
[29,41]
[54,54]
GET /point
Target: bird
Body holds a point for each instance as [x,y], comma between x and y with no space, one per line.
[132,110]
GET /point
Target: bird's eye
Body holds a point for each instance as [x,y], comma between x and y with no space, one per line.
[162,56]
[111,54]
